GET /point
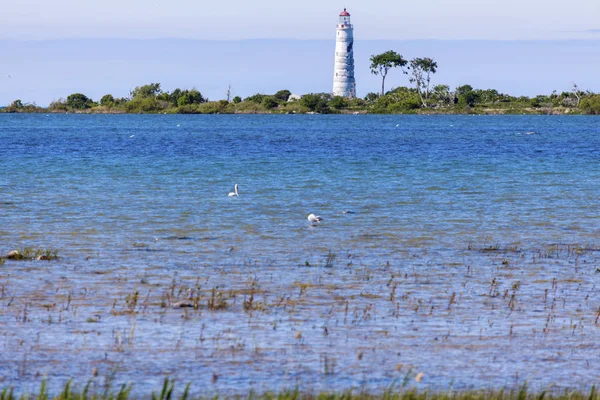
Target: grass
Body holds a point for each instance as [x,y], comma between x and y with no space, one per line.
[32,253]
[515,304]
[168,392]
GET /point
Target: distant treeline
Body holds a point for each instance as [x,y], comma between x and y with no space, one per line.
[402,100]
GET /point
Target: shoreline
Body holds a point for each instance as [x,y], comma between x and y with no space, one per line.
[472,111]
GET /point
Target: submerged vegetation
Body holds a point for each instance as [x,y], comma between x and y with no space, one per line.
[31,253]
[169,391]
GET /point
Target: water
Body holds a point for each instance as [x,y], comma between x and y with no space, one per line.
[469,253]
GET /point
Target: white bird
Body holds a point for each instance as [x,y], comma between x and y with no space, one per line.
[8,76]
[235,191]
[314,219]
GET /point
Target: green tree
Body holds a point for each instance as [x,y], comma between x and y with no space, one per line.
[591,104]
[107,100]
[17,104]
[144,105]
[338,102]
[188,97]
[382,63]
[489,96]
[269,102]
[371,97]
[421,71]
[237,99]
[283,95]
[146,91]
[316,102]
[467,97]
[256,98]
[78,101]
[400,99]
[441,93]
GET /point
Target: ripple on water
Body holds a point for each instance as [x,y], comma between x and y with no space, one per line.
[470,255]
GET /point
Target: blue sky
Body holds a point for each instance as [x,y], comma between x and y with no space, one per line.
[309,19]
[51,49]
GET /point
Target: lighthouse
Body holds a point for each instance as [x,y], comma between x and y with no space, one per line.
[343,75]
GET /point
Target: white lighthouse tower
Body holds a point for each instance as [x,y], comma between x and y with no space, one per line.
[343,76]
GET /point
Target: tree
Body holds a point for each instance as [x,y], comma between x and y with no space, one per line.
[107,100]
[591,104]
[316,102]
[441,93]
[382,63]
[228,93]
[237,99]
[371,97]
[489,96]
[269,102]
[151,90]
[188,97]
[467,97]
[79,101]
[421,70]
[256,98]
[577,93]
[283,95]
[338,102]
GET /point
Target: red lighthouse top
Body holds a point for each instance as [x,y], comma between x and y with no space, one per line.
[344,13]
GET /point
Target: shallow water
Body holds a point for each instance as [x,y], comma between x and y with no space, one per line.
[470,253]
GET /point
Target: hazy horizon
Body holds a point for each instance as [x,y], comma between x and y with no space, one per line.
[42,71]
[312,19]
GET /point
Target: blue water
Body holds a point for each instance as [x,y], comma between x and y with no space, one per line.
[136,202]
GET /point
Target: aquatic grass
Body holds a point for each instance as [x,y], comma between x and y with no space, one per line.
[406,391]
[32,253]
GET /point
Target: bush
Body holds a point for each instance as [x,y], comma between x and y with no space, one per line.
[269,102]
[257,98]
[145,105]
[316,102]
[338,102]
[591,105]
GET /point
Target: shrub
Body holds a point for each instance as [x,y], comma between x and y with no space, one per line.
[591,105]
[269,102]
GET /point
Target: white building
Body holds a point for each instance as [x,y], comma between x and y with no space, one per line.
[343,78]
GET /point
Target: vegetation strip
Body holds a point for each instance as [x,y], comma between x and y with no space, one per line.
[168,392]
[423,97]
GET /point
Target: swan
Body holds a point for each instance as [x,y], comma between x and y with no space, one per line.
[314,219]
[235,191]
